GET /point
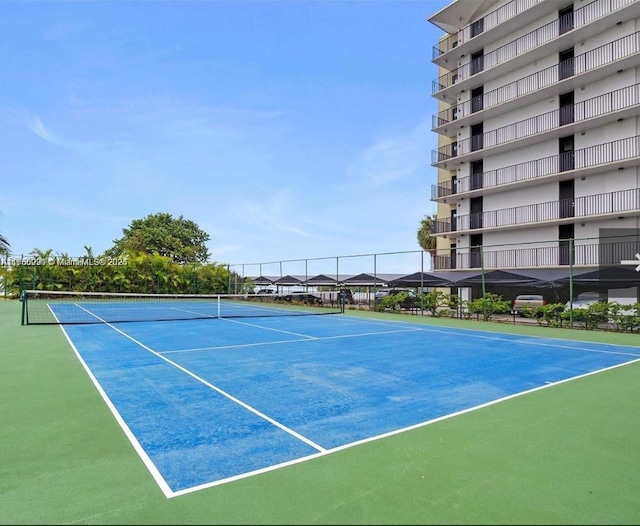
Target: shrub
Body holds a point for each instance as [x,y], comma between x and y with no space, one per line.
[625,318]
[593,316]
[550,315]
[434,301]
[488,305]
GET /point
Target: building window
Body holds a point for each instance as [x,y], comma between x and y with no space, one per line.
[477,135]
[477,171]
[567,154]
[477,27]
[566,108]
[565,66]
[566,199]
[477,62]
[476,251]
[565,19]
[454,148]
[477,99]
[565,253]
[476,212]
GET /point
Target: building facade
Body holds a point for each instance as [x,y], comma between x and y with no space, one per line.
[538,129]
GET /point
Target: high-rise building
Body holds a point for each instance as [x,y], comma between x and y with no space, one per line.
[538,131]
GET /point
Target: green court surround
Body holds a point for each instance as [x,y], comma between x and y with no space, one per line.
[569,454]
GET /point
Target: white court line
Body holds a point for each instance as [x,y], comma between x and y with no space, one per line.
[394,432]
[146,460]
[534,342]
[204,315]
[245,323]
[417,328]
[269,328]
[215,388]
[323,452]
[239,307]
[307,339]
[459,331]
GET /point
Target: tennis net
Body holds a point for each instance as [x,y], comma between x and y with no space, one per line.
[58,307]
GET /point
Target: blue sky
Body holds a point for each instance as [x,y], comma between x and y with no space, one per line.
[284,129]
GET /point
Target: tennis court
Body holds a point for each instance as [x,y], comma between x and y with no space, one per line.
[212,400]
[566,454]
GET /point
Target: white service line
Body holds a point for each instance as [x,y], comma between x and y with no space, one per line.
[245,323]
[534,341]
[401,430]
[465,331]
[306,339]
[269,328]
[215,388]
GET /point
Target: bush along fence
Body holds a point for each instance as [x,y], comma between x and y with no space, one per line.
[137,273]
[611,316]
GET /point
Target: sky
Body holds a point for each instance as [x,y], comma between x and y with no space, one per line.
[286,130]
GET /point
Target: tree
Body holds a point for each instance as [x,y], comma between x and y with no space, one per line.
[426,239]
[4,245]
[42,255]
[179,239]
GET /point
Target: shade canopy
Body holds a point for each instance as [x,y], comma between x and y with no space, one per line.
[371,280]
[610,277]
[420,279]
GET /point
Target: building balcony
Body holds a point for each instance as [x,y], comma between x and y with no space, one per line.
[509,17]
[574,118]
[550,254]
[594,159]
[542,42]
[599,206]
[586,68]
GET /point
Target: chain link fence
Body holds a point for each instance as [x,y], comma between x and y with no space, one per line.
[589,283]
[581,283]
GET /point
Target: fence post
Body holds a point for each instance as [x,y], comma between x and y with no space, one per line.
[571,283]
[422,283]
[484,288]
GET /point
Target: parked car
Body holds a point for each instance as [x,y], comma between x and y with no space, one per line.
[309,299]
[586,299]
[526,300]
[381,293]
[409,302]
[265,291]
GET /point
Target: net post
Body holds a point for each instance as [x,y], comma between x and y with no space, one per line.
[23,299]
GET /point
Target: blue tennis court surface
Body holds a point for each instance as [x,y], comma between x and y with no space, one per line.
[208,401]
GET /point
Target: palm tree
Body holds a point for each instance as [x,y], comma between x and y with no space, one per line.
[43,255]
[4,245]
[425,236]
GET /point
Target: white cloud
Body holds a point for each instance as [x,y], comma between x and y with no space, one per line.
[392,158]
[33,122]
[280,211]
[36,125]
